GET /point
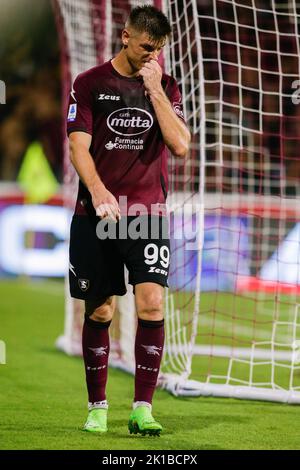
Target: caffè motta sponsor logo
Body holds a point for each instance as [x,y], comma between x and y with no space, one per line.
[129,121]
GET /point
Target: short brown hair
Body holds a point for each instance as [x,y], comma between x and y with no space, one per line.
[150,20]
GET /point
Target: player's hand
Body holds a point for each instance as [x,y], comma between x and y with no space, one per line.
[151,73]
[106,205]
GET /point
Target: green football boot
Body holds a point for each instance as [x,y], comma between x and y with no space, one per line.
[96,421]
[141,421]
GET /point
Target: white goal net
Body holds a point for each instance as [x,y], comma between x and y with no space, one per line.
[232,309]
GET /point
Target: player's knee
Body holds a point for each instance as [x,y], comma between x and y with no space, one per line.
[150,306]
[102,310]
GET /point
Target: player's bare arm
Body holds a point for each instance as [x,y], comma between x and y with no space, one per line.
[105,204]
[175,133]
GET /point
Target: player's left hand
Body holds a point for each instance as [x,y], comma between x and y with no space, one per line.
[151,73]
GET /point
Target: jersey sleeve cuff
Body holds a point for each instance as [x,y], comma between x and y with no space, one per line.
[78,129]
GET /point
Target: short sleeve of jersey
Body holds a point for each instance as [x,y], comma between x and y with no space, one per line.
[80,115]
[175,98]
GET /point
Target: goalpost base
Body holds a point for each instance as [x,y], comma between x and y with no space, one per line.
[192,388]
[66,345]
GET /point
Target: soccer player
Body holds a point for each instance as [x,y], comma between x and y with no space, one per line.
[123,117]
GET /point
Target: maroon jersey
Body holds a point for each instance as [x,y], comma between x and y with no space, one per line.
[127,144]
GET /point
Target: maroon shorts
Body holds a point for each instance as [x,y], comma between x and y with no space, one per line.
[97,261]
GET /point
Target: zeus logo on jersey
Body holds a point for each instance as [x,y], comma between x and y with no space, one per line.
[129,121]
[72,112]
[103,96]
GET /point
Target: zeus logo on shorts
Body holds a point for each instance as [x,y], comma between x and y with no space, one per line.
[129,121]
[152,269]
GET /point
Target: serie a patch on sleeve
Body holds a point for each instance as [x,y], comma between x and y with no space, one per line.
[72,112]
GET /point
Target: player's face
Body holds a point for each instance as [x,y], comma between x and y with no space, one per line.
[141,48]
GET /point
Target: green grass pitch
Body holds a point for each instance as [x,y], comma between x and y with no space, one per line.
[43,396]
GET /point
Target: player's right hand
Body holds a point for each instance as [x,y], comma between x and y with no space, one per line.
[106,205]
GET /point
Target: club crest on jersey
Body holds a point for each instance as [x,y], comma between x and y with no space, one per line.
[129,121]
[84,284]
[72,112]
[177,109]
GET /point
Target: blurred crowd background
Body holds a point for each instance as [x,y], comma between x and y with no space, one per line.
[255,71]
[30,68]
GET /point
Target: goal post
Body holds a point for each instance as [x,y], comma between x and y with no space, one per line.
[232,308]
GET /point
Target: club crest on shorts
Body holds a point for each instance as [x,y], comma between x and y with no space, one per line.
[84,284]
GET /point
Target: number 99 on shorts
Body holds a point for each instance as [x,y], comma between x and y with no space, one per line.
[157,258]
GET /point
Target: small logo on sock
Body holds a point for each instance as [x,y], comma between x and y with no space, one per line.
[99,351]
[84,284]
[148,369]
[95,368]
[152,349]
